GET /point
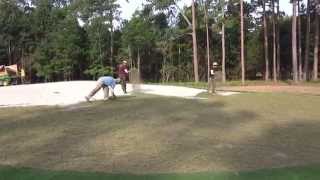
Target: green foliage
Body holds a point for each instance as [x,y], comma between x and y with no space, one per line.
[61,39]
[5,78]
[98,36]
[96,71]
[162,4]
[138,33]
[167,72]
[254,55]
[61,48]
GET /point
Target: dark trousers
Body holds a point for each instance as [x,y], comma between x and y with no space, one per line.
[212,85]
[123,82]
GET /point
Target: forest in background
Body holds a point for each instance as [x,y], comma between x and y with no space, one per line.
[59,40]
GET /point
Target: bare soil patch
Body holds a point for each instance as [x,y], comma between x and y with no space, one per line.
[314,90]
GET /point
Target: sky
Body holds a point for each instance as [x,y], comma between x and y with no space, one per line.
[129,8]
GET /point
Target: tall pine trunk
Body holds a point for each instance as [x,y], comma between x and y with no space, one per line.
[316,49]
[294,42]
[10,54]
[299,44]
[195,48]
[139,61]
[242,43]
[223,44]
[130,57]
[274,64]
[266,44]
[208,43]
[111,46]
[163,69]
[224,78]
[307,48]
[278,40]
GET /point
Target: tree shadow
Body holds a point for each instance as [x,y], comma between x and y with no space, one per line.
[152,134]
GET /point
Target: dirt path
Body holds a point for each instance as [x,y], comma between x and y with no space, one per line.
[314,90]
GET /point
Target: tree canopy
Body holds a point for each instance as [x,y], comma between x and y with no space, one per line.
[58,40]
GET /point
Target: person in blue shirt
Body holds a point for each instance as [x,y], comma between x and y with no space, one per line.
[107,83]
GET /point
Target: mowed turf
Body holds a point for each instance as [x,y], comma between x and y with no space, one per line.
[296,173]
[145,134]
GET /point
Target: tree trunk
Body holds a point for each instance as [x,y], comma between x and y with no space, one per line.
[111,33]
[111,46]
[278,40]
[208,43]
[299,44]
[242,44]
[163,68]
[294,43]
[274,64]
[100,49]
[30,60]
[10,53]
[224,78]
[138,62]
[179,71]
[223,43]
[266,46]
[316,50]
[194,40]
[306,55]
[130,57]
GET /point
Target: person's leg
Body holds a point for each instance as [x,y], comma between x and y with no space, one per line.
[123,84]
[113,96]
[94,91]
[106,92]
[210,86]
[213,85]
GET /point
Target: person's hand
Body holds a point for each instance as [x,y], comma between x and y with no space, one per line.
[113,97]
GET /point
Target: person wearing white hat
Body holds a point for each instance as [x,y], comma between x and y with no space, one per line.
[212,83]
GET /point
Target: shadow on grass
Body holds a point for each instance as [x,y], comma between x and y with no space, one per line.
[150,134]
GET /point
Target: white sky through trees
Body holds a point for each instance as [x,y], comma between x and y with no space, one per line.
[129,8]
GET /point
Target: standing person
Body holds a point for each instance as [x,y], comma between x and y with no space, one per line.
[212,79]
[22,75]
[107,83]
[123,75]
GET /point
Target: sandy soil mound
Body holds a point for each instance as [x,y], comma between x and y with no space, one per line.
[72,92]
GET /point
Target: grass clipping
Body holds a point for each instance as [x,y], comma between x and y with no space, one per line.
[135,80]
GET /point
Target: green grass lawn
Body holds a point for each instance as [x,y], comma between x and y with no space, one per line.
[257,135]
[295,173]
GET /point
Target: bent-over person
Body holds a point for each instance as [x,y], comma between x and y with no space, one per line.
[107,83]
